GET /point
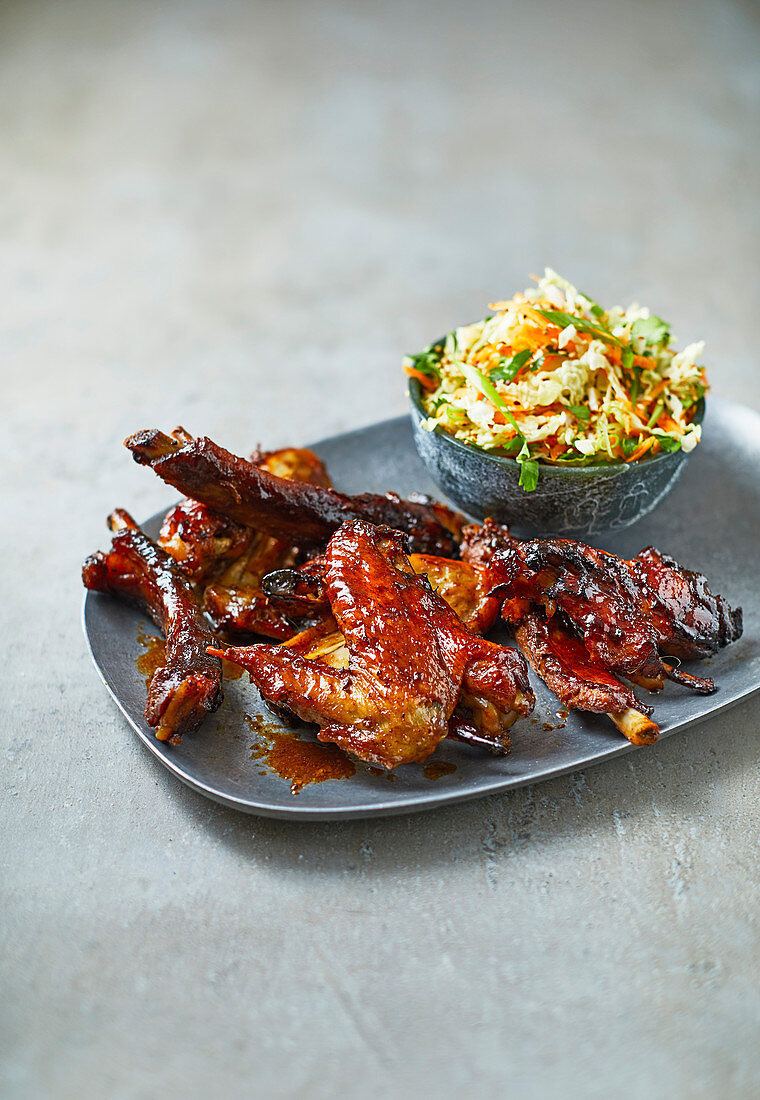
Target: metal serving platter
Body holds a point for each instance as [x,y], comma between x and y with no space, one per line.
[710,522]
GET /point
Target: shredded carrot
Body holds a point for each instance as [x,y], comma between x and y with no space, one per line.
[423,379]
[657,390]
[642,449]
[668,423]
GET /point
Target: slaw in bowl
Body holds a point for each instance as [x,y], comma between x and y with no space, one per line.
[552,378]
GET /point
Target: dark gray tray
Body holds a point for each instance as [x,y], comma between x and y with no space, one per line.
[710,522]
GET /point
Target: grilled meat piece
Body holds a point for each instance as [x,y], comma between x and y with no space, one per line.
[594,590]
[302,515]
[465,588]
[580,681]
[232,559]
[411,663]
[201,540]
[188,686]
[690,621]
[294,464]
[583,614]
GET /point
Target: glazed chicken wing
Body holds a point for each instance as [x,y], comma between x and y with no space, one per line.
[412,667]
[464,586]
[188,686]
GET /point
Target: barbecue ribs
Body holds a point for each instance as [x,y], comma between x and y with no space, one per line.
[300,514]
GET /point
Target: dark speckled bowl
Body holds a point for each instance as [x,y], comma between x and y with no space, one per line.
[569,500]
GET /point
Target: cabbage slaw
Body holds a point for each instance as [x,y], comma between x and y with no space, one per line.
[552,377]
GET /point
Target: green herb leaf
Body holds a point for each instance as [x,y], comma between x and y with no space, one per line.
[699,393]
[601,332]
[528,475]
[627,357]
[508,368]
[669,443]
[580,412]
[426,362]
[652,330]
[628,446]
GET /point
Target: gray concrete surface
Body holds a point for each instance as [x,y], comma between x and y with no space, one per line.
[238,216]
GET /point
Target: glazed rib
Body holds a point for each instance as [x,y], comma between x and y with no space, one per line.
[300,514]
[578,680]
[188,686]
[583,617]
[690,621]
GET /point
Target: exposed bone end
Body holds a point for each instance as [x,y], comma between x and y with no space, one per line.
[150,444]
[182,435]
[639,729]
[120,520]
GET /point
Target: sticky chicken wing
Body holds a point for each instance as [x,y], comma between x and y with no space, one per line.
[411,669]
[464,586]
[188,686]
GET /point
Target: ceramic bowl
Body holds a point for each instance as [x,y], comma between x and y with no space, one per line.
[569,500]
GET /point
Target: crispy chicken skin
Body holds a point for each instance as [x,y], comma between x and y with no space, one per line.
[412,665]
[188,686]
[303,515]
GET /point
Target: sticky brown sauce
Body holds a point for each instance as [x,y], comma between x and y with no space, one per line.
[299,762]
[153,657]
[230,671]
[381,771]
[436,769]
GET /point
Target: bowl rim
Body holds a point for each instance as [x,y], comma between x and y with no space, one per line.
[415,397]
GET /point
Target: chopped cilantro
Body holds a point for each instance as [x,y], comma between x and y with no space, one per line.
[580,412]
[628,446]
[508,368]
[627,357]
[426,362]
[669,443]
[528,475]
